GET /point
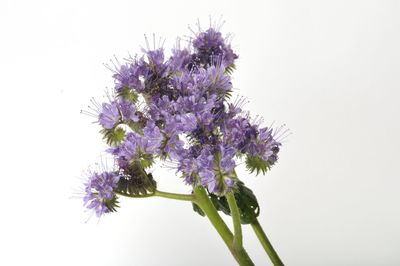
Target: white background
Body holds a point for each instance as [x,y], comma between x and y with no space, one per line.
[329,70]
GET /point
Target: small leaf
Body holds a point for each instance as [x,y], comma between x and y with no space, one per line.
[197,209]
[247,204]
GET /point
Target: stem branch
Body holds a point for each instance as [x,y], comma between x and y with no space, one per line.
[237,227]
[176,196]
[162,194]
[262,237]
[203,201]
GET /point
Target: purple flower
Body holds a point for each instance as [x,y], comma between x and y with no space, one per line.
[184,123]
[234,131]
[189,168]
[109,115]
[126,151]
[99,191]
[161,108]
[209,180]
[128,76]
[112,113]
[156,58]
[122,77]
[137,145]
[206,169]
[213,80]
[227,154]
[179,60]
[174,147]
[210,44]
[207,44]
[151,140]
[269,147]
[182,82]
[128,111]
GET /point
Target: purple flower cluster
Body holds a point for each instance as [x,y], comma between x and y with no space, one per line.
[99,191]
[178,109]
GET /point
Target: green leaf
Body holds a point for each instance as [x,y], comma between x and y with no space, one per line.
[256,163]
[197,209]
[247,204]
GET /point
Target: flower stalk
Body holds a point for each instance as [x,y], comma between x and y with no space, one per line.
[269,249]
[234,241]
[162,194]
[237,227]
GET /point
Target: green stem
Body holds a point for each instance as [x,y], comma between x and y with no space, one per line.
[237,227]
[203,201]
[266,244]
[176,196]
[135,196]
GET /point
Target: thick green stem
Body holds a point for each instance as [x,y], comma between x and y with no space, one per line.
[237,226]
[204,202]
[266,244]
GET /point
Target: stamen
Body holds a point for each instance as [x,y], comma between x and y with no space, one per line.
[147,42]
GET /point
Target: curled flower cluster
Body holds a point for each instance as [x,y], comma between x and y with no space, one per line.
[178,109]
[100,192]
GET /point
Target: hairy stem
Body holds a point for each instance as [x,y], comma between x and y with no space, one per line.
[237,227]
[262,237]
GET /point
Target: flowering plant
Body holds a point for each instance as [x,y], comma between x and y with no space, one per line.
[179,110]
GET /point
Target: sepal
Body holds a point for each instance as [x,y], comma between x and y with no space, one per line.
[257,164]
[112,204]
[113,136]
[135,181]
[229,69]
[128,95]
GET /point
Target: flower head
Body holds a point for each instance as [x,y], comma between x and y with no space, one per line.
[178,109]
[128,111]
[99,192]
[210,44]
[109,115]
